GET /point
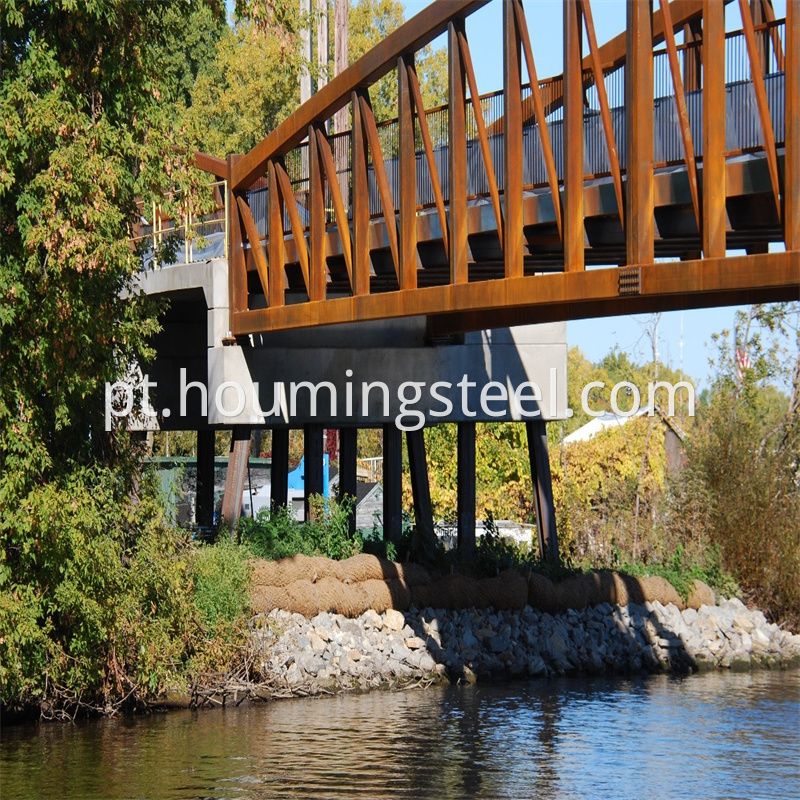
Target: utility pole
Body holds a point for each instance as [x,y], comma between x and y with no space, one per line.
[340,27]
[322,43]
[305,48]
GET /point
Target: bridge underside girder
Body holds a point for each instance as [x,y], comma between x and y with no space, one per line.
[700,283]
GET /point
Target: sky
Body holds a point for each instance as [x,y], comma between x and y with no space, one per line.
[596,337]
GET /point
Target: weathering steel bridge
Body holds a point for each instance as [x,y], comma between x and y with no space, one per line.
[660,171]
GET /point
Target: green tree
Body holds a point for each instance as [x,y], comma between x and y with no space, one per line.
[85,134]
[83,608]
[250,86]
[502,471]
[595,485]
[370,22]
[188,46]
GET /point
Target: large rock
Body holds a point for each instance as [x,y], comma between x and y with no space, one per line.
[394,620]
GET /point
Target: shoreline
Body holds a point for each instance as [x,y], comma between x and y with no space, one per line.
[293,656]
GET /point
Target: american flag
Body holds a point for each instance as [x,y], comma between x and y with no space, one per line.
[742,362]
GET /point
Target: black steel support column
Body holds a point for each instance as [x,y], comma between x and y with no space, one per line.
[420,487]
[312,451]
[466,490]
[279,469]
[542,490]
[348,476]
[204,502]
[392,483]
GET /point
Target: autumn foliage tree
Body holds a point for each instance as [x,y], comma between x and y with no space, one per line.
[84,133]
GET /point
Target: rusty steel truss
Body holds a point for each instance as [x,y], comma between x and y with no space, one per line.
[486,211]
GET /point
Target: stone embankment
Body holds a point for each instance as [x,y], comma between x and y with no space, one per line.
[331,652]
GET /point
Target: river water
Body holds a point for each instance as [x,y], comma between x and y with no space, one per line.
[717,735]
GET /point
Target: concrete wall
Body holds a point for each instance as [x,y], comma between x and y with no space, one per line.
[347,356]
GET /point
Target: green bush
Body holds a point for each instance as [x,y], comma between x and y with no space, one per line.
[743,473]
[94,595]
[273,535]
[220,578]
[495,553]
[329,527]
[681,570]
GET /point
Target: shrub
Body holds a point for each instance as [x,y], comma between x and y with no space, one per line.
[220,578]
[743,474]
[495,553]
[273,535]
[94,600]
[682,569]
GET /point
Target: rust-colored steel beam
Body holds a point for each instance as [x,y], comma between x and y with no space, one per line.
[407,164]
[769,15]
[237,269]
[433,170]
[612,53]
[757,77]
[381,178]
[218,167]
[277,253]
[512,152]
[290,204]
[457,154]
[605,110]
[791,214]
[539,115]
[574,236]
[317,263]
[361,262]
[640,231]
[714,217]
[339,210]
[483,137]
[571,295]
[420,30]
[255,244]
[693,55]
[683,112]
[463,322]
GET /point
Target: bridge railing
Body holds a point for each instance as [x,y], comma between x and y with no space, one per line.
[744,136]
[623,110]
[176,231]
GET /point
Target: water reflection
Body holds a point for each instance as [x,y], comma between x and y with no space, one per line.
[717,735]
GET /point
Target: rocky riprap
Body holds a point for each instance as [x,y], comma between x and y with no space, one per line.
[331,653]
